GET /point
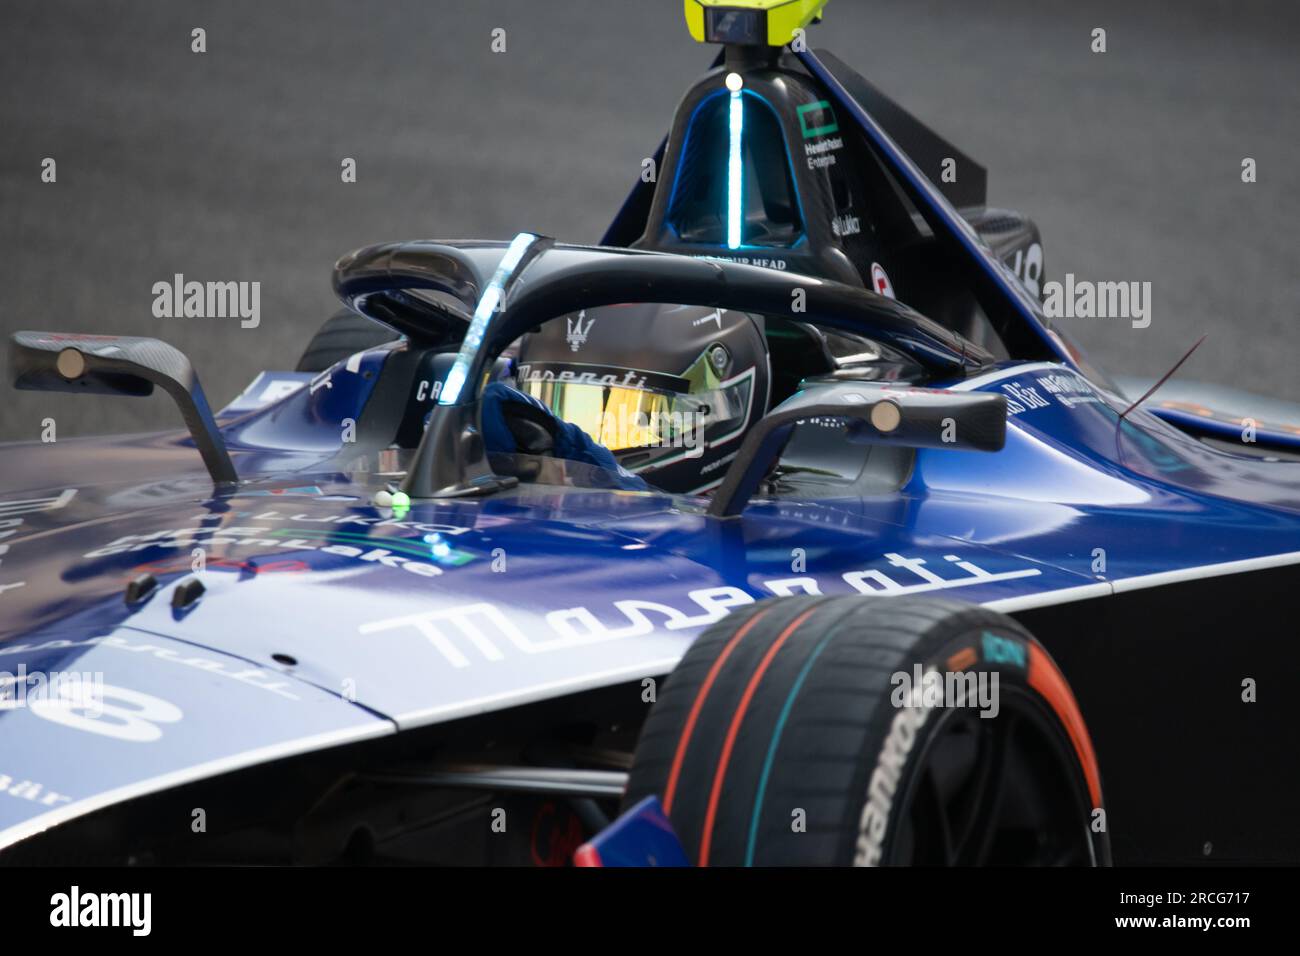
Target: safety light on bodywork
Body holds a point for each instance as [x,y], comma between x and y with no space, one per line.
[487,305]
[750,22]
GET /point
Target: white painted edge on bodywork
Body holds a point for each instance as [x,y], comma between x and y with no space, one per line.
[997,375]
[1079,592]
[1139,582]
[380,728]
[212,768]
[1206,571]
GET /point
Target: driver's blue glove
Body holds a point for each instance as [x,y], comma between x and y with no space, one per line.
[568,440]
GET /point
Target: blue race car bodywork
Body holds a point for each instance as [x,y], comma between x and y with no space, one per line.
[1149,561]
[393,622]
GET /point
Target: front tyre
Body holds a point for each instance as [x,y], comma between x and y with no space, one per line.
[853,730]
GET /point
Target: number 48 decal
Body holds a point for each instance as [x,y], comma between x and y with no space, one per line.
[1027,264]
[116,712]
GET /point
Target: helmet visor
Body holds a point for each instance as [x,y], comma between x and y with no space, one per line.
[626,412]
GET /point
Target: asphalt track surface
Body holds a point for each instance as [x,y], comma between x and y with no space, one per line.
[226,165]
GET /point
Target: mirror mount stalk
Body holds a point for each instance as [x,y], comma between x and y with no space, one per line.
[911,417]
[121,365]
[451,461]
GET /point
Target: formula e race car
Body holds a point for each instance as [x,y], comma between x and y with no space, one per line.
[779,528]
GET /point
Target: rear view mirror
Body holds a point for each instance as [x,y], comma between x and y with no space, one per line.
[120,365]
[911,417]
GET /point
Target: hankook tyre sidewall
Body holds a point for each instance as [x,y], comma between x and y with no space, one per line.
[1009,677]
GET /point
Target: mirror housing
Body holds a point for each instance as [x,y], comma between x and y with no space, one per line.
[911,417]
[121,365]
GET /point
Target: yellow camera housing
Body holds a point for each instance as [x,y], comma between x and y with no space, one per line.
[750,22]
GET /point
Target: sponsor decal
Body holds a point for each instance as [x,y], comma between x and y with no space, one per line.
[883,783]
[302,491]
[12,517]
[1022,397]
[272,390]
[962,659]
[880,281]
[421,557]
[778,264]
[483,631]
[1068,389]
[715,465]
[1027,264]
[26,506]
[604,376]
[877,582]
[845,225]
[817,119]
[24,788]
[137,722]
[715,316]
[576,333]
[1063,388]
[427,391]
[248,674]
[1003,650]
[817,122]
[821,155]
[354,519]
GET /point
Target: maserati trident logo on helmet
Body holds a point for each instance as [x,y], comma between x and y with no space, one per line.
[577,333]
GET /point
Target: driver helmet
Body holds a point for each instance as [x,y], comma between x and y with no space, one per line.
[669,389]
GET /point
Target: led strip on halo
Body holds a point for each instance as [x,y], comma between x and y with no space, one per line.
[487,304]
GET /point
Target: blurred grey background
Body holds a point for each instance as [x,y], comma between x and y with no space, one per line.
[225,165]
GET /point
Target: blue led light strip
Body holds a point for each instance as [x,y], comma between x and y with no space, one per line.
[734,173]
[487,305]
